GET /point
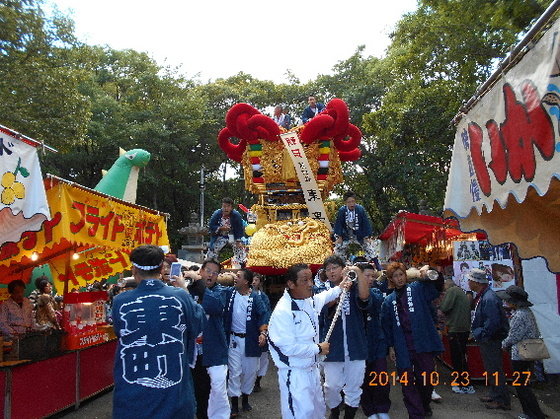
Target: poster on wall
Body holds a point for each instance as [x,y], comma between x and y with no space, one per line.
[500,274]
[494,260]
[480,250]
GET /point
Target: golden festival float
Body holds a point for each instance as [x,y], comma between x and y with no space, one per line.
[292,173]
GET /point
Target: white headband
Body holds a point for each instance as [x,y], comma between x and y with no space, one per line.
[146,268]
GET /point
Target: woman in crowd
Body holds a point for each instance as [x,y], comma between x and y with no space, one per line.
[47,315]
[522,325]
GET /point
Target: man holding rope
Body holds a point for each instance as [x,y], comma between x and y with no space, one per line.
[345,365]
[294,343]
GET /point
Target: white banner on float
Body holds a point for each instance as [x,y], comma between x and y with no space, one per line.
[306,178]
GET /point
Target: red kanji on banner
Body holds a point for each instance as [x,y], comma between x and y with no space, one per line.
[527,126]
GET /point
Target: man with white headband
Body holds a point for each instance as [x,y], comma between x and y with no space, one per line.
[156,326]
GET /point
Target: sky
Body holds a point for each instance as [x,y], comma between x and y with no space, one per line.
[220,38]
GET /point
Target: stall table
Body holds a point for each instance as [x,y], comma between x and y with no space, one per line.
[474,360]
[42,388]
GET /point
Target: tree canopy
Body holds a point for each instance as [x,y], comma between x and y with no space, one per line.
[86,101]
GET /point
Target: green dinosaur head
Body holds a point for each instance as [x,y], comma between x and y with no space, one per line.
[137,157]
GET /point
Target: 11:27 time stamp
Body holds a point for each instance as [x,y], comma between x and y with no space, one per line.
[519,378]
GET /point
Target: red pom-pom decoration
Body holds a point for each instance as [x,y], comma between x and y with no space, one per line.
[348,145]
[339,111]
[333,122]
[350,155]
[237,117]
[317,129]
[233,151]
[265,127]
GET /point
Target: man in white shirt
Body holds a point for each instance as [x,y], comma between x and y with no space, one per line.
[16,313]
[246,322]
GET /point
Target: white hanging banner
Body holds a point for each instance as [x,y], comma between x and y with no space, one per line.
[504,176]
[306,178]
[23,201]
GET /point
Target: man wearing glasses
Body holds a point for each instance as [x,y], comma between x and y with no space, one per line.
[211,370]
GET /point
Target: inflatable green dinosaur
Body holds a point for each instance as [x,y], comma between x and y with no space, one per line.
[121,179]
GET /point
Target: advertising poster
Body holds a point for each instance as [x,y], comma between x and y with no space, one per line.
[494,260]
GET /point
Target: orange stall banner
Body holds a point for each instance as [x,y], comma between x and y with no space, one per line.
[99,229]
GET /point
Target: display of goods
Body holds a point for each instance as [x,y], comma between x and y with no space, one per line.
[285,243]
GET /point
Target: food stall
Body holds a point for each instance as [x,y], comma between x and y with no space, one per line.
[420,239]
[87,239]
[504,173]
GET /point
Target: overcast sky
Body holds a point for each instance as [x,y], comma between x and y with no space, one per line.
[218,39]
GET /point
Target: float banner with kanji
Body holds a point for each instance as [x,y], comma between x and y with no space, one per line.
[23,203]
[306,178]
[505,169]
[97,229]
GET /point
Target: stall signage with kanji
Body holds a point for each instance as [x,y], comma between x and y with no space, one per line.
[87,219]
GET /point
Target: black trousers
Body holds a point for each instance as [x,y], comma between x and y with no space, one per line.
[201,381]
[525,393]
[458,351]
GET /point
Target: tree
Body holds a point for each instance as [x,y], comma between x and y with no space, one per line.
[38,90]
[438,55]
[356,81]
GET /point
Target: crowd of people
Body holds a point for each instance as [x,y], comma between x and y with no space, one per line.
[332,337]
[340,339]
[40,311]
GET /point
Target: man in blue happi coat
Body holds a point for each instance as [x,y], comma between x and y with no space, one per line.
[246,324]
[210,374]
[375,399]
[156,327]
[412,337]
[352,226]
[345,364]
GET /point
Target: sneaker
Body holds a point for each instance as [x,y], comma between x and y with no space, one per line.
[469,390]
[435,397]
[457,390]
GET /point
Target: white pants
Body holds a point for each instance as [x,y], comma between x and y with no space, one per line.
[263,364]
[218,404]
[300,393]
[242,369]
[347,376]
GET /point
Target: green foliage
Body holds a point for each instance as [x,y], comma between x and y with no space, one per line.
[38,91]
[438,56]
[87,101]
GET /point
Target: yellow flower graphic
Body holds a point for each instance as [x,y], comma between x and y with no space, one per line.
[12,189]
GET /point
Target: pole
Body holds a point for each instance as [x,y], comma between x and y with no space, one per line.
[335,318]
[202,187]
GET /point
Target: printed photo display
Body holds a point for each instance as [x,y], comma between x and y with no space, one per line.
[494,260]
